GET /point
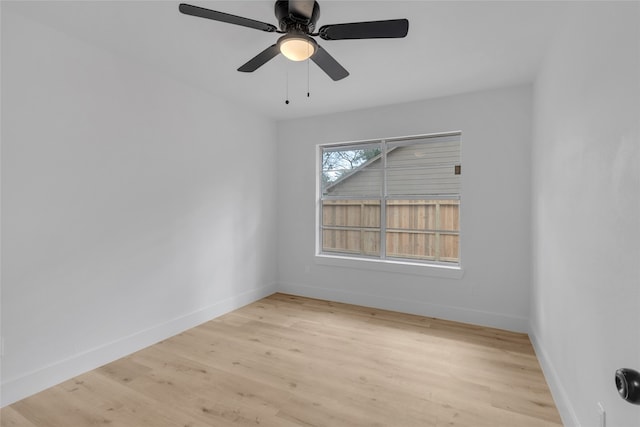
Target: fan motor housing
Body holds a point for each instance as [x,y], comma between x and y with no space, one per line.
[292,22]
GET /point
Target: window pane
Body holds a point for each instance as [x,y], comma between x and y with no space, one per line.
[423,229]
[352,171]
[423,167]
[351,226]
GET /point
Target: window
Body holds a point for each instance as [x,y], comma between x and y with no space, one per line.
[396,199]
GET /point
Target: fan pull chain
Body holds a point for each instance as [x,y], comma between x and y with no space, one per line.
[308,79]
[287,84]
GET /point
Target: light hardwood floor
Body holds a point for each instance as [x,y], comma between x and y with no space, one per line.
[292,361]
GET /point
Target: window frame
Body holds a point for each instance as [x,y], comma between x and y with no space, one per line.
[383,262]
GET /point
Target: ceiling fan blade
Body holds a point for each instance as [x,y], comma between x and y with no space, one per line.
[389,29]
[260,59]
[329,65]
[302,9]
[201,12]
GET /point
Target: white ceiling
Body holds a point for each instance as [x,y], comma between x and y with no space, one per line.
[452,47]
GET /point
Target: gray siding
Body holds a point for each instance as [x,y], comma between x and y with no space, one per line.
[415,169]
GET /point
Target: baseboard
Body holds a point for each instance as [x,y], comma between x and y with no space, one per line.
[560,397]
[458,314]
[18,388]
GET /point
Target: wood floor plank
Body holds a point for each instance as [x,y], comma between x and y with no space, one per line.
[10,417]
[293,361]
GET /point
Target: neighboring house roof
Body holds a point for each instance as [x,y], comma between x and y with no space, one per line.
[368,164]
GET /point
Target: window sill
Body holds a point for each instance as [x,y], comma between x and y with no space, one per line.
[402,267]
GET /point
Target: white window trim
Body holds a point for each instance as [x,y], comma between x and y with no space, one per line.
[430,269]
[391,266]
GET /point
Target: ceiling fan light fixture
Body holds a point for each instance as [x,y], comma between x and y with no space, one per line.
[297,21]
[297,47]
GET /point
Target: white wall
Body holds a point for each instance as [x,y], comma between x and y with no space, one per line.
[585,316]
[495,210]
[133,206]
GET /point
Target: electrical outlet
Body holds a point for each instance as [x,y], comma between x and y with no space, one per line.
[602,415]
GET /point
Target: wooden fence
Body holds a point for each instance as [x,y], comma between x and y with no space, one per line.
[415,229]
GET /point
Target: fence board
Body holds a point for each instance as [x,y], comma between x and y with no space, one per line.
[416,229]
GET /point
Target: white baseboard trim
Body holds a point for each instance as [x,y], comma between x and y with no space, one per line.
[33,382]
[458,314]
[560,397]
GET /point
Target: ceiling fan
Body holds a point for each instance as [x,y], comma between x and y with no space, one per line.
[297,19]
